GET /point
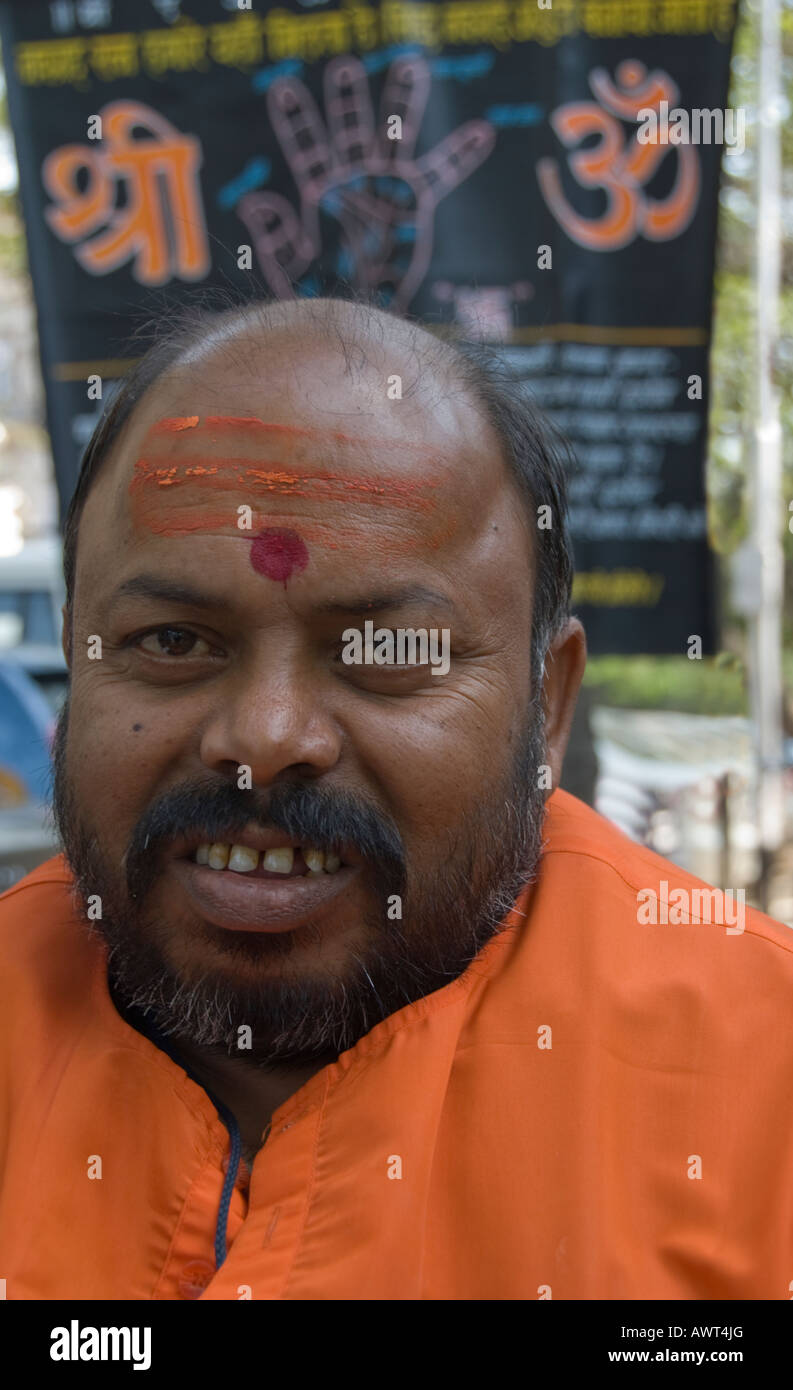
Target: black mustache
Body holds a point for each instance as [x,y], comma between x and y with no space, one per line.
[304,811]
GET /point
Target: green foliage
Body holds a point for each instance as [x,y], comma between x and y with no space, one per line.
[733,361]
[714,685]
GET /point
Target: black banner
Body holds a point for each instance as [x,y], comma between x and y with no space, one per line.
[544,173]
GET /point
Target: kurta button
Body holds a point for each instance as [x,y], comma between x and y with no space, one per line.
[195,1277]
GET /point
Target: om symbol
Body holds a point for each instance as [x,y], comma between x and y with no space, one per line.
[621,167]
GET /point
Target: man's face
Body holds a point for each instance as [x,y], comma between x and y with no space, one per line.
[284,504]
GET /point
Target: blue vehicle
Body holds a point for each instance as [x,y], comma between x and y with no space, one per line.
[33,682]
[26,729]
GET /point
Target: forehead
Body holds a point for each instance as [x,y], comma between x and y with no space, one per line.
[382,458]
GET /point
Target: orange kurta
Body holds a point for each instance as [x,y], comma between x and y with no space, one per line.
[566,1171]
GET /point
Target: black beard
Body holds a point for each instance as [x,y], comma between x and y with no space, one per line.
[452,911]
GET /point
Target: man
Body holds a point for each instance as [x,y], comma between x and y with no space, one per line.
[323,1000]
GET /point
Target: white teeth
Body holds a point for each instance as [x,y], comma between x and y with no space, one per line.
[218,856]
[243,860]
[332,863]
[202,854]
[278,861]
[315,860]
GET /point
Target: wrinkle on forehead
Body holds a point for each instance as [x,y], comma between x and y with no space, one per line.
[195,473]
[304,453]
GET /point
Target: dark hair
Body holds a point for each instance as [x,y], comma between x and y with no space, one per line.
[536,454]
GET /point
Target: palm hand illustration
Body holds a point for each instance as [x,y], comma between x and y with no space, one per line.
[381,196]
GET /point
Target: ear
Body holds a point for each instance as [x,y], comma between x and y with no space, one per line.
[564,669]
[66,635]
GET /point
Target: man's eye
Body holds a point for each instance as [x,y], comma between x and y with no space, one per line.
[384,654]
[388,648]
[172,641]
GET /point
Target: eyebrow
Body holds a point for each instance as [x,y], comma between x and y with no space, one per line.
[409,597]
[150,586]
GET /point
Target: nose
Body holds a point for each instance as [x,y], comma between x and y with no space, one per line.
[272,716]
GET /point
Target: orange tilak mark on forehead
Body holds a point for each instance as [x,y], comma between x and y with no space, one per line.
[331,534]
[248,475]
[167,503]
[170,484]
[175,424]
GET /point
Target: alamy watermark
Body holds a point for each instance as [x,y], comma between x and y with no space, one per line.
[700,126]
[692,907]
[401,646]
[76,1343]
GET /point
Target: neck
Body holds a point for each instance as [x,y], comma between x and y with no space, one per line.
[252,1094]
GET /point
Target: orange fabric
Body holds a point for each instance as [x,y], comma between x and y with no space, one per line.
[526,1171]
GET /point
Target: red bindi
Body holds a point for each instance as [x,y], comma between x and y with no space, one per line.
[278,554]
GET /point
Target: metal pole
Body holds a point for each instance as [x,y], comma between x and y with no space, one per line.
[767,501]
